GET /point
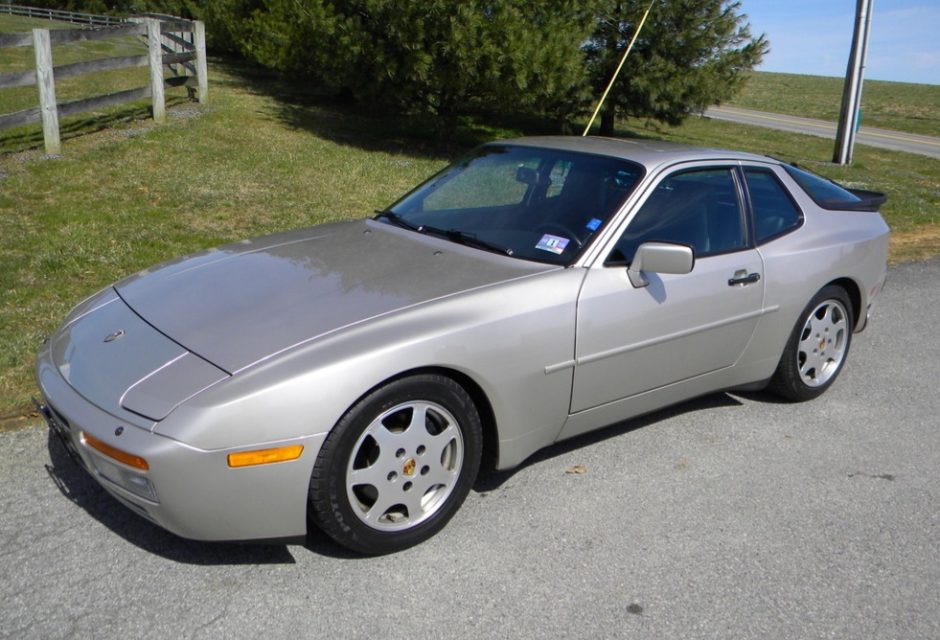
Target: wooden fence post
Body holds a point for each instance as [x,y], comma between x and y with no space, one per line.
[202,70]
[156,70]
[45,82]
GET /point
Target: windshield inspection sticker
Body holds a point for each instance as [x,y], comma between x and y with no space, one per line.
[555,244]
[594,224]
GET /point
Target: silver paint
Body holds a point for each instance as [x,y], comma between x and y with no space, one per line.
[268,342]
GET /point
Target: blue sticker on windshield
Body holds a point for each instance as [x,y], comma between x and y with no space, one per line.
[555,244]
[594,224]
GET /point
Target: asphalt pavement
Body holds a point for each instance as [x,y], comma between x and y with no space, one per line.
[871,136]
[733,516]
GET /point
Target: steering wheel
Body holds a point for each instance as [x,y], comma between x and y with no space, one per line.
[557,227]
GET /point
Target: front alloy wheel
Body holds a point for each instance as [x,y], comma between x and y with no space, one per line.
[404,466]
[398,465]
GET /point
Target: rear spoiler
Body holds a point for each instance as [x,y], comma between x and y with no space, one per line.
[868,201]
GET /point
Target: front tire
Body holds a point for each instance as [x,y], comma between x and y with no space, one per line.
[818,347]
[397,465]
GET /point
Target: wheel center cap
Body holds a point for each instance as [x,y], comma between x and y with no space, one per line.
[822,344]
[409,467]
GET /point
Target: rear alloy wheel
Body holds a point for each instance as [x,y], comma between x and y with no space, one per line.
[817,348]
[398,465]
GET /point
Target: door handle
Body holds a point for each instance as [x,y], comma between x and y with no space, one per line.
[742,277]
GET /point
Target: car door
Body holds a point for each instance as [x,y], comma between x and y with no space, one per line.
[632,340]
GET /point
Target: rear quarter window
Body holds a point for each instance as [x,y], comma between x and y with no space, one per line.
[775,213]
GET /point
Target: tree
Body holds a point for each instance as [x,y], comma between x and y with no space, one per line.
[689,55]
[448,57]
[440,57]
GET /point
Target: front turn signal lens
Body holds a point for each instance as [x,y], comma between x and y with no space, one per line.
[265,456]
[113,452]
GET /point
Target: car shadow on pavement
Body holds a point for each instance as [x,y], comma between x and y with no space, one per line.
[764,397]
[491,479]
[75,484]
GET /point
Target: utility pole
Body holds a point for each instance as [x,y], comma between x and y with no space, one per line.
[852,89]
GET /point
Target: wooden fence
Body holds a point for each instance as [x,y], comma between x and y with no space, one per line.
[62,16]
[192,54]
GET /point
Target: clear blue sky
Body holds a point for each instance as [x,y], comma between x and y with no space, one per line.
[814,37]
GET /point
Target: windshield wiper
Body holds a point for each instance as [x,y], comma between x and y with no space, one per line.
[454,235]
[395,219]
[464,238]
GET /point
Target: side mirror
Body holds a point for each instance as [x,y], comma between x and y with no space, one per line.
[659,257]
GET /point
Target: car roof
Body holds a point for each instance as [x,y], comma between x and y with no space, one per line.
[650,153]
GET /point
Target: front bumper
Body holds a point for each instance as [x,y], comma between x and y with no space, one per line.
[196,494]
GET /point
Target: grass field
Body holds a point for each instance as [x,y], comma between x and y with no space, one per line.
[901,106]
[263,157]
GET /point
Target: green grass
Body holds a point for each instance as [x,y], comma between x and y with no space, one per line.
[901,106]
[12,24]
[262,157]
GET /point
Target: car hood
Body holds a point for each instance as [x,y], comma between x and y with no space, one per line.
[245,302]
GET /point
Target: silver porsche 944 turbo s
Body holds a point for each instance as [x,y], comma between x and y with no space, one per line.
[352,376]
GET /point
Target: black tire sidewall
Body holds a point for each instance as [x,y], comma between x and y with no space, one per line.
[330,505]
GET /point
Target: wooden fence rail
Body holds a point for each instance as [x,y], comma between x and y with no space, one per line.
[63,16]
[181,51]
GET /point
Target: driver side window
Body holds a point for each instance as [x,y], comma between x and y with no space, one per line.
[698,208]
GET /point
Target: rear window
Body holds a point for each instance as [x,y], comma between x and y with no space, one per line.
[831,195]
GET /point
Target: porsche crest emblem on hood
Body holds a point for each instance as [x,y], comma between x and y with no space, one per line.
[117,335]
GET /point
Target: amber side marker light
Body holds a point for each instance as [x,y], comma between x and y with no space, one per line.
[113,452]
[265,456]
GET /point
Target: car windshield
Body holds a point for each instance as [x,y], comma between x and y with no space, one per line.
[526,202]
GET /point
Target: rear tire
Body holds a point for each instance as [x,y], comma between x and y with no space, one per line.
[397,465]
[817,348]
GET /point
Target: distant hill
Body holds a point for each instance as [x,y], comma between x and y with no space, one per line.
[901,106]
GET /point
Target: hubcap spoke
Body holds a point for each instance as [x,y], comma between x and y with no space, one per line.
[814,363]
[439,476]
[809,343]
[419,419]
[374,474]
[440,442]
[382,504]
[838,326]
[412,501]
